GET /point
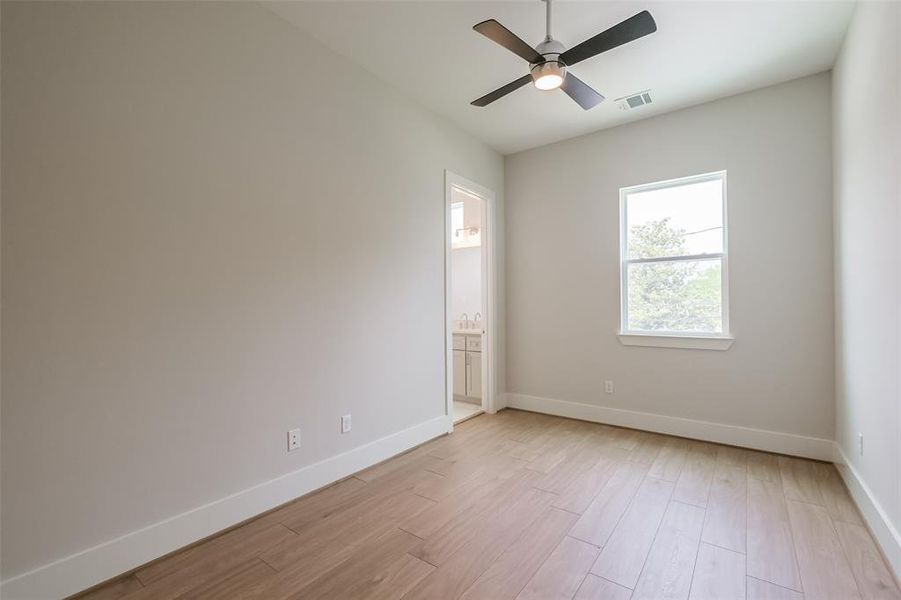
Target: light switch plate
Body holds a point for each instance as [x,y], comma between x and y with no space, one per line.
[345,424]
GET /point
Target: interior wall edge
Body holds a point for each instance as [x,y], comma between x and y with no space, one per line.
[100,563]
[866,195]
[720,433]
[877,519]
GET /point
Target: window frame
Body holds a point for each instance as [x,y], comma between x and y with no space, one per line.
[669,339]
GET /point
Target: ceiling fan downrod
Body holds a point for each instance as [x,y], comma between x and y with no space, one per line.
[548,37]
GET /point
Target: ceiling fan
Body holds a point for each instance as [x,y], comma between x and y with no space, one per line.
[548,62]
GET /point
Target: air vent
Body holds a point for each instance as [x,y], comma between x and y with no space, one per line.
[635,100]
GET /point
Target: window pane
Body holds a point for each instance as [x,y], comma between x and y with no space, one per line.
[676,221]
[676,296]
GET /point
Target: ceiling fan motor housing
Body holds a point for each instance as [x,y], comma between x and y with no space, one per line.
[551,50]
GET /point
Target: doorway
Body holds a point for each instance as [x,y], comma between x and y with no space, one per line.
[469,302]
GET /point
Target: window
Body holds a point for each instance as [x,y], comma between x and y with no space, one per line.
[674,268]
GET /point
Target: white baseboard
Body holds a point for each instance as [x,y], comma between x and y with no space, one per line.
[877,519]
[89,567]
[746,437]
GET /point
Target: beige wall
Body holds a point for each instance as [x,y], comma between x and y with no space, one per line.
[214,230]
[867,97]
[563,304]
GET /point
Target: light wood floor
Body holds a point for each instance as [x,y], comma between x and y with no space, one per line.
[465,410]
[527,506]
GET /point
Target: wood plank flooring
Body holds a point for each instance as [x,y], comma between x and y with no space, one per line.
[522,506]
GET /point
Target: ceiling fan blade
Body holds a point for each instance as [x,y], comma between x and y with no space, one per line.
[499,34]
[631,29]
[584,95]
[502,91]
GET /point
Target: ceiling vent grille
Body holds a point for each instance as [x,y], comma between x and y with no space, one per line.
[635,100]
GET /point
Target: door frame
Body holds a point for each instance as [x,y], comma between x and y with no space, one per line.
[489,299]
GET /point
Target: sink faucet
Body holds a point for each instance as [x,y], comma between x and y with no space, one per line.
[464,318]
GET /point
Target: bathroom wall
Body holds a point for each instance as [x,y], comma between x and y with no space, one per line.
[466,281]
[466,263]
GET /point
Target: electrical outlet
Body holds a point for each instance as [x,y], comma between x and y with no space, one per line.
[345,424]
[293,440]
[860,443]
[608,387]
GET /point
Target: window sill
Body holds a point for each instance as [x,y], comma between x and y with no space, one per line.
[693,342]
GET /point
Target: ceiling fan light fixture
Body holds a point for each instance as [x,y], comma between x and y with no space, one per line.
[548,75]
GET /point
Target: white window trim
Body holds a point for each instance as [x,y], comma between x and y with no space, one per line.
[691,342]
[673,339]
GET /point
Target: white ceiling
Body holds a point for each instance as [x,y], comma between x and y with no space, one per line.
[701,51]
